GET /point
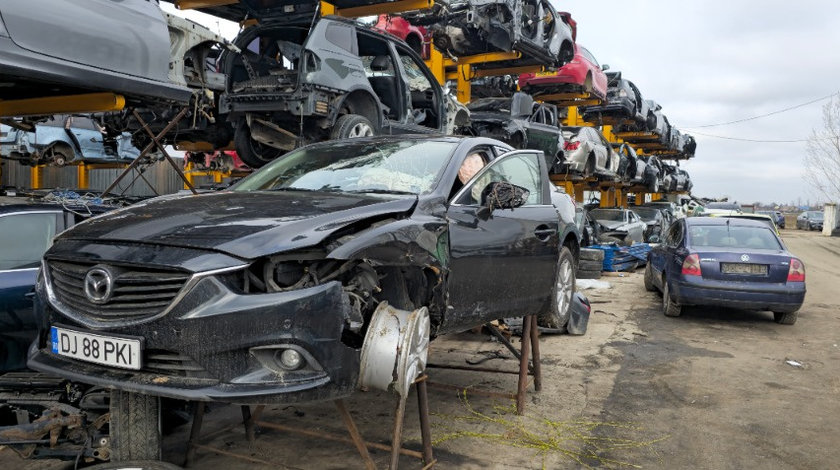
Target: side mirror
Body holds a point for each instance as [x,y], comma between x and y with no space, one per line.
[503,195]
[605,67]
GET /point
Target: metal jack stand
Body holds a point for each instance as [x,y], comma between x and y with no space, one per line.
[252,420]
[530,347]
[154,144]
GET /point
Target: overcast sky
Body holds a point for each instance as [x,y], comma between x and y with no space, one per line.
[710,61]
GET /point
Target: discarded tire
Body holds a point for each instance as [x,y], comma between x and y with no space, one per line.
[589,265]
[584,274]
[591,254]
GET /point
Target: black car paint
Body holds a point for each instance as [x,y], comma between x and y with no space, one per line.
[215,324]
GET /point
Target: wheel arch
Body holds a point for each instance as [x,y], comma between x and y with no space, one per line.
[363,103]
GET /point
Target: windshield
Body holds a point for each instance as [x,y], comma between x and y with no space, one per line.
[815,215]
[612,215]
[648,215]
[726,236]
[411,166]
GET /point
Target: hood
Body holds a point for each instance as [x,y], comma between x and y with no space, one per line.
[243,224]
[612,224]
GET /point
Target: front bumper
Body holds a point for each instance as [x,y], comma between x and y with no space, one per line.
[203,348]
[786,297]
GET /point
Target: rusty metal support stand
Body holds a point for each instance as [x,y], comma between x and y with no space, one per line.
[195,431]
[155,143]
[355,435]
[530,347]
[425,425]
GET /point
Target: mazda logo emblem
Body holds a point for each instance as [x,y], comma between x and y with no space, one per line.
[745,258]
[98,285]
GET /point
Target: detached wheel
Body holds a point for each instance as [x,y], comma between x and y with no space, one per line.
[669,307]
[649,278]
[253,153]
[785,318]
[350,126]
[135,426]
[561,295]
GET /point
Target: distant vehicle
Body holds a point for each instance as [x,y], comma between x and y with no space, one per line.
[672,209]
[624,104]
[726,262]
[777,216]
[657,222]
[590,230]
[417,37]
[623,225]
[635,170]
[223,161]
[520,122]
[725,208]
[810,220]
[661,127]
[582,74]
[588,153]
[66,139]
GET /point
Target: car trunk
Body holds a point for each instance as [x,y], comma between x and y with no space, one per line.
[274,61]
[109,43]
[738,266]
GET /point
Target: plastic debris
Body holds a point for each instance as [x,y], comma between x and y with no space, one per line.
[793,363]
[592,284]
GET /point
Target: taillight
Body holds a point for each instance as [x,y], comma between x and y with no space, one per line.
[691,265]
[796,272]
[571,145]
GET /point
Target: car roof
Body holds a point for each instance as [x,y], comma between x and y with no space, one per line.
[732,221]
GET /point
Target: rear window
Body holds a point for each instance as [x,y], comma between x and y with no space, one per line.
[727,236]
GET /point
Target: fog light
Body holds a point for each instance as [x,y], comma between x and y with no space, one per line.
[289,359]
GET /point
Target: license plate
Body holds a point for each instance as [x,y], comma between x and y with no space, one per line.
[106,350]
[546,74]
[743,268]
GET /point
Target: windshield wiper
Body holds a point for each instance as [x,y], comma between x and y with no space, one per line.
[292,188]
[380,191]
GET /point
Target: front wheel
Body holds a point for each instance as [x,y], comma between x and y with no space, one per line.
[350,126]
[134,427]
[564,289]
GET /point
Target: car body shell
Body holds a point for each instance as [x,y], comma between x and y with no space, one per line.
[583,73]
[594,154]
[713,287]
[456,250]
[628,226]
[520,122]
[635,170]
[65,139]
[624,105]
[417,37]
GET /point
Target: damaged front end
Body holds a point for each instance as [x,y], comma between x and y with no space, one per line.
[531,27]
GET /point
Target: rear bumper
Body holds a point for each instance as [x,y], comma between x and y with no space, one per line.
[575,76]
[774,297]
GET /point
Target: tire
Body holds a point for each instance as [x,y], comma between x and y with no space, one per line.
[562,291]
[785,318]
[669,308]
[252,153]
[135,426]
[591,254]
[649,286]
[351,126]
[581,274]
[590,265]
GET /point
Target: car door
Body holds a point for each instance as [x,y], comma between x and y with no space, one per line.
[636,228]
[502,263]
[26,236]
[126,36]
[597,147]
[542,131]
[426,110]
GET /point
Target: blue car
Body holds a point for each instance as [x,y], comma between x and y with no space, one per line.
[65,139]
[726,262]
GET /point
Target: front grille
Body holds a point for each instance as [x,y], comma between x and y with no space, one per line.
[137,292]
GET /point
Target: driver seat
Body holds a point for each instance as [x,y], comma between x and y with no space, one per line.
[385,86]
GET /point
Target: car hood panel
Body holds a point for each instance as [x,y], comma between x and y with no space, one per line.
[246,224]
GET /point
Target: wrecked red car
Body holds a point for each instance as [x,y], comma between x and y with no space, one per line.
[582,74]
[417,37]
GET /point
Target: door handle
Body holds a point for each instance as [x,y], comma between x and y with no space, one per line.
[544,232]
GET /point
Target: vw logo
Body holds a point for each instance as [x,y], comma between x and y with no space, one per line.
[745,258]
[98,285]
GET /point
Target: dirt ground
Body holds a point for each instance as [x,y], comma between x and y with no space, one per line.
[714,388]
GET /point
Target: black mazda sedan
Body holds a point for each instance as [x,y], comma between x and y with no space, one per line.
[285,288]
